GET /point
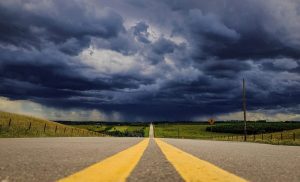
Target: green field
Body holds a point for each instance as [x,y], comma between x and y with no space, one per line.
[290,137]
[288,133]
[255,127]
[16,125]
[188,130]
[119,130]
[203,131]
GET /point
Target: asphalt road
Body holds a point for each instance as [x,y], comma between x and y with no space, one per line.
[154,167]
[252,161]
[50,159]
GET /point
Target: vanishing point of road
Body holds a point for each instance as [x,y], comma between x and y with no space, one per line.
[145,159]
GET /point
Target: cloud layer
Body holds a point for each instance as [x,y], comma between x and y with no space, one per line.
[151,60]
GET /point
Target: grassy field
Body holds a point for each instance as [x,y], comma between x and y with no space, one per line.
[189,130]
[203,131]
[255,127]
[16,125]
[120,130]
[290,137]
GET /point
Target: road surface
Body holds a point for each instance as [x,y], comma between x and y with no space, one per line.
[139,159]
[252,161]
[49,159]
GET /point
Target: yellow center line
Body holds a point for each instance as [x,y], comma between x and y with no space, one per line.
[115,168]
[192,168]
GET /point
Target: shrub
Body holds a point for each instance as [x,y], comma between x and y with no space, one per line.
[254,127]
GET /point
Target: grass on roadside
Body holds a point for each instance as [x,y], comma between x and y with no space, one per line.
[203,131]
[290,137]
[16,125]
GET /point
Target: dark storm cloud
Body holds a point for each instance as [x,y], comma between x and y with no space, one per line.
[225,68]
[239,29]
[163,46]
[141,33]
[66,24]
[15,89]
[158,50]
[280,64]
[151,59]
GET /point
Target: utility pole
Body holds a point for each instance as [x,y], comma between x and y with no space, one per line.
[244,109]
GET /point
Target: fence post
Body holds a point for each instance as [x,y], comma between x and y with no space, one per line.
[0,127]
[262,136]
[271,137]
[55,128]
[45,127]
[29,126]
[9,123]
[65,130]
[178,132]
[294,136]
[280,136]
[72,131]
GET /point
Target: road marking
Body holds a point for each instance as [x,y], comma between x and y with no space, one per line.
[192,168]
[115,168]
[151,133]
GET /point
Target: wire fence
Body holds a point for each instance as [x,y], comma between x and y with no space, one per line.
[17,128]
[263,137]
[285,137]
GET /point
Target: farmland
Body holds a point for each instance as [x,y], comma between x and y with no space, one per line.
[185,130]
[16,125]
[289,137]
[118,129]
[272,133]
[255,127]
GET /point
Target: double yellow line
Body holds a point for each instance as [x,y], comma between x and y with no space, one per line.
[119,166]
[115,168]
[194,169]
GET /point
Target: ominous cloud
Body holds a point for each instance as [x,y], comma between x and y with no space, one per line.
[145,60]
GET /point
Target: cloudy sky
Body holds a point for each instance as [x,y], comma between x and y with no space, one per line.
[150,60]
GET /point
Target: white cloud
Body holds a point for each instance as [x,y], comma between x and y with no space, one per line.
[110,62]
